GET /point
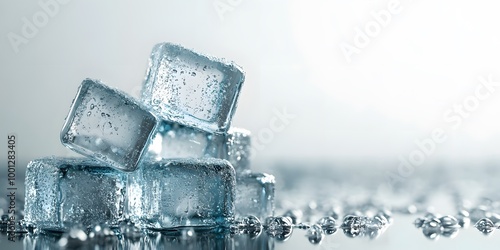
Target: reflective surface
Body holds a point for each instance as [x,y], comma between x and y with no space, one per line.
[325,209]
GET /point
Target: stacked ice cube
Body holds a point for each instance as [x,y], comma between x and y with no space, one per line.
[169,160]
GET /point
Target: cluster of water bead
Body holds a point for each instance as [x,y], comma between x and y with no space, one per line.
[357,225]
[249,225]
[433,226]
[324,226]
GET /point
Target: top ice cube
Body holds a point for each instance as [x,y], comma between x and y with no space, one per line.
[108,125]
[192,89]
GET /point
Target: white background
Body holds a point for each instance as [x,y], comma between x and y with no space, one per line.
[396,90]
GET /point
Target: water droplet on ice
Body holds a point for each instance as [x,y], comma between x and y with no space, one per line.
[98,142]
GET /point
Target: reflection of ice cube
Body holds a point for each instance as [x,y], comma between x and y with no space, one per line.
[178,141]
[192,89]
[107,125]
[254,195]
[61,192]
[182,192]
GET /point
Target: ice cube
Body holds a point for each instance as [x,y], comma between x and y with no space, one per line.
[238,148]
[190,88]
[254,195]
[182,192]
[108,125]
[178,141]
[66,192]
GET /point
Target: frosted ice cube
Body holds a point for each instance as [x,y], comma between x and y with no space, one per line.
[64,192]
[190,88]
[182,192]
[108,125]
[254,195]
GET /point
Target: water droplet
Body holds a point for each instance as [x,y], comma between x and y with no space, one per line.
[98,142]
[279,227]
[328,224]
[352,226]
[485,226]
[315,234]
[449,221]
[174,70]
[193,73]
[89,113]
[251,225]
[92,106]
[419,222]
[450,226]
[432,228]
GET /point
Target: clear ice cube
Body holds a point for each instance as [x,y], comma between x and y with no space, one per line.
[182,192]
[178,141]
[108,125]
[238,148]
[66,192]
[190,88]
[254,195]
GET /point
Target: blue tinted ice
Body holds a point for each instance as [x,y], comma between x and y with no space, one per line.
[108,125]
[254,195]
[192,89]
[63,192]
[238,148]
[178,141]
[182,192]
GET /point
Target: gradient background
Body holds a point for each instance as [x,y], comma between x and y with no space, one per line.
[395,91]
[369,111]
